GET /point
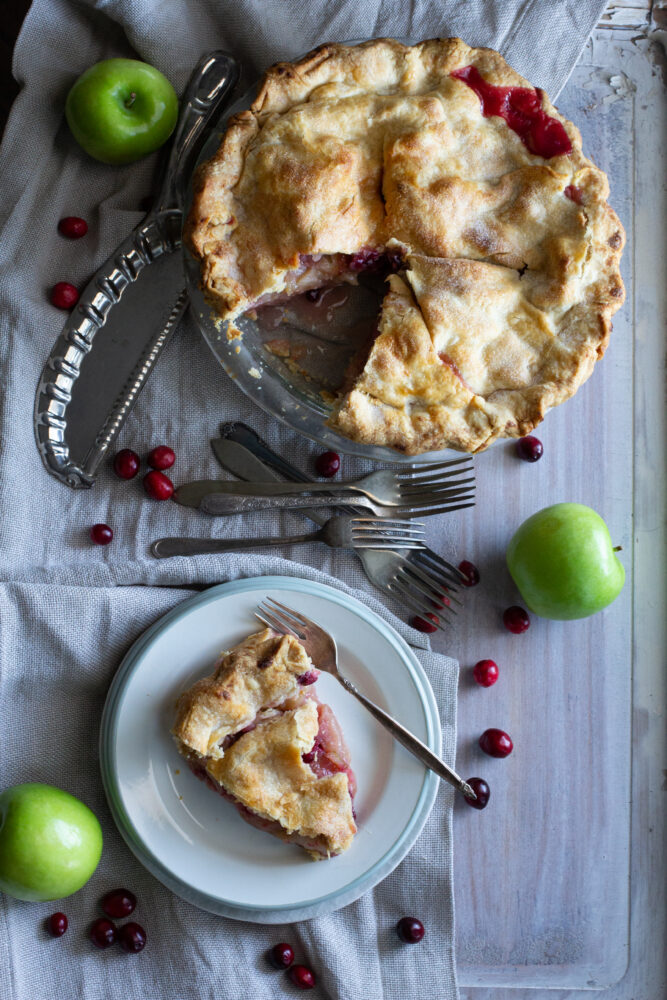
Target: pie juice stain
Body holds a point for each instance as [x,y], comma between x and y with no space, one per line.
[521,108]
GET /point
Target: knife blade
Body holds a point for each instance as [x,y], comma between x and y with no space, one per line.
[128,311]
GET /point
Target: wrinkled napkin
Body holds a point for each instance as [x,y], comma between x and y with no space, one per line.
[69,610]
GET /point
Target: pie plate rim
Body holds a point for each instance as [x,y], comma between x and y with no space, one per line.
[123,803]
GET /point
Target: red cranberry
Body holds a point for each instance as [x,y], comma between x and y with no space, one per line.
[529,448]
[56,924]
[309,677]
[161,457]
[516,620]
[327,464]
[573,193]
[481,790]
[485,673]
[422,625]
[302,977]
[364,260]
[281,955]
[132,938]
[64,295]
[73,227]
[102,933]
[410,930]
[126,463]
[119,903]
[496,743]
[101,534]
[158,486]
[470,573]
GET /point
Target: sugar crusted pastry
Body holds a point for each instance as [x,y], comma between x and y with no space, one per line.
[256,732]
[439,162]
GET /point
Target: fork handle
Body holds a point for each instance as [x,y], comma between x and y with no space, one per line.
[164,547]
[410,742]
[220,503]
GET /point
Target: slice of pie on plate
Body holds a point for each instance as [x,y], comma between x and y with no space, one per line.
[257,733]
[440,163]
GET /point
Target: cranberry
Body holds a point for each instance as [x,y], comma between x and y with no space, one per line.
[529,448]
[132,938]
[64,295]
[281,955]
[327,464]
[73,227]
[516,620]
[161,457]
[573,193]
[410,930]
[158,486]
[496,743]
[101,534]
[425,626]
[56,924]
[102,933]
[302,977]
[481,790]
[485,672]
[119,903]
[470,572]
[309,677]
[126,463]
[364,260]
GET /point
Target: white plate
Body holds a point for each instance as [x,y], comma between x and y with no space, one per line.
[197,844]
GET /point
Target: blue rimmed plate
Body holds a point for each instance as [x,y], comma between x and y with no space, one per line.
[195,843]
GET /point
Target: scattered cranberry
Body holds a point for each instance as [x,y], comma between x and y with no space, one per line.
[161,457]
[529,448]
[73,227]
[101,534]
[485,673]
[126,463]
[281,955]
[56,924]
[425,626]
[481,790]
[327,464]
[132,938]
[516,620]
[309,677]
[496,743]
[302,977]
[158,486]
[410,930]
[102,933]
[119,903]
[64,295]
[470,572]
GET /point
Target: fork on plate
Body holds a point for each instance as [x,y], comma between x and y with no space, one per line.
[321,648]
[342,532]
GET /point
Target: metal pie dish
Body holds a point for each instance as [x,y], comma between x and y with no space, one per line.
[297,400]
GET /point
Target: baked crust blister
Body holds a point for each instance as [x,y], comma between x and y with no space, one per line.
[511,259]
[247,727]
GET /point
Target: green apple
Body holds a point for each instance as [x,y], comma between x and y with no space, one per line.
[50,842]
[563,562]
[121,109]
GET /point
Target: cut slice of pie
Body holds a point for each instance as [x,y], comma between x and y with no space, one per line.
[440,162]
[257,733]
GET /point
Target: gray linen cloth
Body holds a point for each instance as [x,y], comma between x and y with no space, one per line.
[69,610]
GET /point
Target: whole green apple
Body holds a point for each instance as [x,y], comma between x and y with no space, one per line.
[121,109]
[563,562]
[50,842]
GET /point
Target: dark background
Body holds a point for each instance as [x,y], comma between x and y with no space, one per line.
[11,20]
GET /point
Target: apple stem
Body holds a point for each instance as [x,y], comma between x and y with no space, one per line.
[131,99]
[617,548]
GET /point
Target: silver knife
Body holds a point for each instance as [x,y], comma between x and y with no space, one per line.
[128,311]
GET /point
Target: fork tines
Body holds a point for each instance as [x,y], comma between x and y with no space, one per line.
[285,619]
[418,471]
[412,587]
[386,533]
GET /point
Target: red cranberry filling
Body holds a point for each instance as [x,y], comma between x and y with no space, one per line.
[573,193]
[309,677]
[521,108]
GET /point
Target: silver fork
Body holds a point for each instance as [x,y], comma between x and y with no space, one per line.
[340,532]
[242,452]
[441,502]
[321,647]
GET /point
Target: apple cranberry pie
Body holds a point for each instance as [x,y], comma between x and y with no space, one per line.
[257,733]
[440,165]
